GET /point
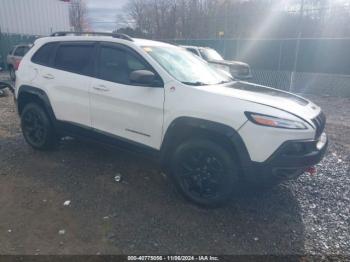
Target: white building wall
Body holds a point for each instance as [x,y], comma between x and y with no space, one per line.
[34,17]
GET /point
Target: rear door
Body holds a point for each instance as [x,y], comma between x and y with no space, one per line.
[121,108]
[67,80]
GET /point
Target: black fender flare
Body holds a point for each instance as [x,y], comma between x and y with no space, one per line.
[39,94]
[229,133]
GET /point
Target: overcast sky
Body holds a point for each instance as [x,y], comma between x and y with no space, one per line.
[102,14]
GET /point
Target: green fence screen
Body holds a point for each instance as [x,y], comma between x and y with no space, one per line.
[322,55]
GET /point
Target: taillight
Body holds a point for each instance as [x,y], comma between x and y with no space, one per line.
[17,63]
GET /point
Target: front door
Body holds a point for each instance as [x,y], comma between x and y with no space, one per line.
[121,108]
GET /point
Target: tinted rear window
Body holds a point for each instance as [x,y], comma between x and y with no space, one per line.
[75,58]
[43,55]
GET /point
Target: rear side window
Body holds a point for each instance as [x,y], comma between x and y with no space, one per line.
[44,54]
[75,58]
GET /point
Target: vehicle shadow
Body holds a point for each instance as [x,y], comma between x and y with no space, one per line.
[143,213]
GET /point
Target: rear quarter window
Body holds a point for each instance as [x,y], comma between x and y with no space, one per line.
[44,54]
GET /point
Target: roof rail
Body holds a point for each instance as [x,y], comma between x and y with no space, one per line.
[115,35]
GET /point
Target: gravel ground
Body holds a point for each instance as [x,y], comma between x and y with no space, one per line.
[325,198]
[144,214]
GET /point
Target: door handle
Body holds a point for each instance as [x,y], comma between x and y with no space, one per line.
[48,76]
[101,88]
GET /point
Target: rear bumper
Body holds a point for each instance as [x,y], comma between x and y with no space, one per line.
[289,161]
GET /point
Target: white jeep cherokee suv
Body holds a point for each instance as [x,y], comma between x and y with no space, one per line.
[210,132]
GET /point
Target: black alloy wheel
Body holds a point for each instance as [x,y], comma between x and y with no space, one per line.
[204,172]
[36,127]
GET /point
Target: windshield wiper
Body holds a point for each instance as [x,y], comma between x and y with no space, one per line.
[195,83]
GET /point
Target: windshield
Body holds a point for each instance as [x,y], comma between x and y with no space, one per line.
[186,67]
[210,54]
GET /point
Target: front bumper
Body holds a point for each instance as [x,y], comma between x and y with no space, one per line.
[289,161]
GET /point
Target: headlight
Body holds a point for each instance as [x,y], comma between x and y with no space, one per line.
[272,121]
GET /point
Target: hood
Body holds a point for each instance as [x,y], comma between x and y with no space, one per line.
[275,98]
[229,63]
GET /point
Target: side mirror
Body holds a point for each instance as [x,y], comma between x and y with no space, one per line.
[144,78]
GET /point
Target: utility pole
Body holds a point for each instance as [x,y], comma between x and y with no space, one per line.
[300,29]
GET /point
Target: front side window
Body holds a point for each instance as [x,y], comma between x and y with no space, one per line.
[185,67]
[75,58]
[116,65]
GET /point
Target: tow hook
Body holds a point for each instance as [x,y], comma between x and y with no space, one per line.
[312,170]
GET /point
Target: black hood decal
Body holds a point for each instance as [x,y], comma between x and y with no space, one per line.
[268,91]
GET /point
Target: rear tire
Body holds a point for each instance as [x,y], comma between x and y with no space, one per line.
[37,128]
[12,73]
[204,172]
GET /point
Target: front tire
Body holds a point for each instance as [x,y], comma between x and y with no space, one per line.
[37,128]
[204,172]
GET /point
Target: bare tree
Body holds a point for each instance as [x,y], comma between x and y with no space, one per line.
[77,15]
[169,19]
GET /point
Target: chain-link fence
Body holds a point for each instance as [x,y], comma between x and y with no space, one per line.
[304,83]
[318,66]
[314,65]
[7,41]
